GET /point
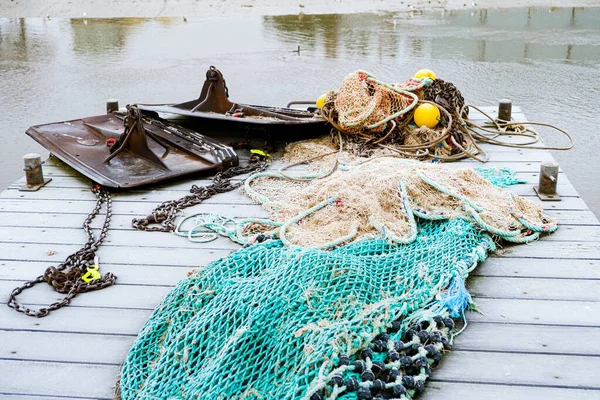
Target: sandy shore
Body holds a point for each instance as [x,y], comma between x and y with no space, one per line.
[207,8]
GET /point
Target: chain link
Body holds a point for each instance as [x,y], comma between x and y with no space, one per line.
[66,277]
[165,214]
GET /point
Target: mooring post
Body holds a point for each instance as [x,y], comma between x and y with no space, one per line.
[33,172]
[505,110]
[112,105]
[546,189]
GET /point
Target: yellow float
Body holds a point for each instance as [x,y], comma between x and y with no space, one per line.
[425,73]
[321,100]
[427,115]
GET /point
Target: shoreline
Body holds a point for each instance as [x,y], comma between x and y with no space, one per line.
[220,8]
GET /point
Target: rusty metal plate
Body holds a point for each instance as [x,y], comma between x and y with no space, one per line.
[82,144]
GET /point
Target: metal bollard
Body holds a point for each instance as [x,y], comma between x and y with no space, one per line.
[33,173]
[505,110]
[546,189]
[112,105]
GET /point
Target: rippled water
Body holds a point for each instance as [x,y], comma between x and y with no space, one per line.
[546,60]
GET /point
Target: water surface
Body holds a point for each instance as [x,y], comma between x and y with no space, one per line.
[546,60]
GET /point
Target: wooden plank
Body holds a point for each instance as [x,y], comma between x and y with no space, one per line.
[124,237]
[127,236]
[474,391]
[529,339]
[69,219]
[137,274]
[543,312]
[73,319]
[557,250]
[69,347]
[539,268]
[574,217]
[144,205]
[113,255]
[575,233]
[126,296]
[133,209]
[65,347]
[41,378]
[158,255]
[539,288]
[520,369]
[564,190]
[127,274]
[499,368]
[144,296]
[123,321]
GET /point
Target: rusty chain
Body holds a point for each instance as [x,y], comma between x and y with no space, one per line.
[66,277]
[165,214]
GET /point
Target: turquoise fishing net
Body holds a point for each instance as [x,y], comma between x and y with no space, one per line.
[501,177]
[268,321]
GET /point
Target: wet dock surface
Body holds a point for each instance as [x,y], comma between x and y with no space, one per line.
[538,336]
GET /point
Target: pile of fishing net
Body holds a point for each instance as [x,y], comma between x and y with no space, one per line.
[382,196]
[377,114]
[366,318]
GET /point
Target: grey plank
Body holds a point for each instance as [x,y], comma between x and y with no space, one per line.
[529,339]
[147,297]
[83,203]
[124,321]
[558,250]
[543,312]
[113,255]
[539,288]
[132,274]
[71,219]
[137,274]
[536,268]
[133,209]
[85,380]
[192,257]
[475,391]
[182,189]
[519,369]
[105,321]
[64,347]
[574,217]
[133,297]
[127,236]
[499,368]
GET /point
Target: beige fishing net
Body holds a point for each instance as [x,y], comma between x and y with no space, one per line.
[364,103]
[364,198]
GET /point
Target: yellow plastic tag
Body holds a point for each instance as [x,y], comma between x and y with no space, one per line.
[259,152]
[91,274]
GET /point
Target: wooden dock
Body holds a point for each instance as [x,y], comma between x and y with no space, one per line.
[538,336]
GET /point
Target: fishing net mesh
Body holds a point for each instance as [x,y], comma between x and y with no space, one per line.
[363,102]
[276,322]
[366,199]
